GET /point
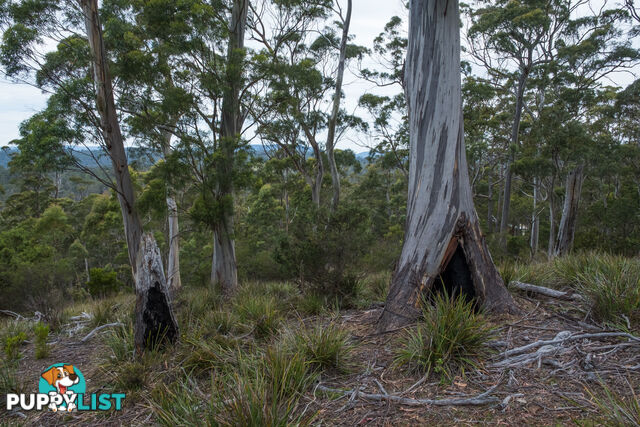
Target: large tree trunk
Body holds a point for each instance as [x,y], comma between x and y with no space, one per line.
[174,283]
[333,119]
[442,234]
[567,227]
[224,270]
[154,323]
[515,131]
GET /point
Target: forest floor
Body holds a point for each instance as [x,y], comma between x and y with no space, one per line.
[568,381]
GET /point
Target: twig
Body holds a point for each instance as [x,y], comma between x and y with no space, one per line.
[481,399]
[99,328]
[527,287]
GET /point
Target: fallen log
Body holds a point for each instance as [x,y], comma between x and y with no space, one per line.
[553,293]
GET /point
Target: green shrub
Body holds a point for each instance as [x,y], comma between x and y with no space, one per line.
[41,332]
[450,337]
[12,346]
[103,282]
[323,257]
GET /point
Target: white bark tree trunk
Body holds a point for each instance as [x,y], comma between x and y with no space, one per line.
[174,283]
[567,227]
[153,306]
[441,219]
[333,119]
[535,219]
[515,131]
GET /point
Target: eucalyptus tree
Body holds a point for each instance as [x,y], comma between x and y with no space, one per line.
[301,65]
[78,72]
[183,79]
[388,113]
[510,39]
[443,244]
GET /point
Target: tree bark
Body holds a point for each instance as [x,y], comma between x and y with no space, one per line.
[224,270]
[567,227]
[333,119]
[155,305]
[441,219]
[490,204]
[515,130]
[174,283]
[535,219]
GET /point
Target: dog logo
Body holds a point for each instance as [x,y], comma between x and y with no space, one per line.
[64,380]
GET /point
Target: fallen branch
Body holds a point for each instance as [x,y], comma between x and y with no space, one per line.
[527,287]
[99,328]
[481,399]
[13,314]
[566,336]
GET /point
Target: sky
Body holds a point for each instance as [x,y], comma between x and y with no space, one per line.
[18,101]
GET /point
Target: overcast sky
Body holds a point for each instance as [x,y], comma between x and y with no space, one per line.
[18,102]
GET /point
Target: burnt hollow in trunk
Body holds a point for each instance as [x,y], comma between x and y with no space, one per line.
[456,278]
[159,325]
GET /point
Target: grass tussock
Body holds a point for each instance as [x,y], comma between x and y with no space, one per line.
[612,287]
[450,338]
[615,409]
[261,313]
[324,347]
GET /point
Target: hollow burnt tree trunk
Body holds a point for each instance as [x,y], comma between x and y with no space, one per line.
[153,306]
[567,226]
[154,319]
[224,270]
[441,220]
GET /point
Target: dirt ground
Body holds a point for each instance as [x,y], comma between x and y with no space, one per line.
[550,384]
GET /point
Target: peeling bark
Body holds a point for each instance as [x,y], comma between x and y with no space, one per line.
[567,227]
[440,212]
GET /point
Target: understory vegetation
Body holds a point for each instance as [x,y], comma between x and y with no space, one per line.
[250,361]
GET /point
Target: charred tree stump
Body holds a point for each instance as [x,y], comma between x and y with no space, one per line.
[442,224]
[155,323]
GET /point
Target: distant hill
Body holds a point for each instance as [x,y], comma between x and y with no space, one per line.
[143,158]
